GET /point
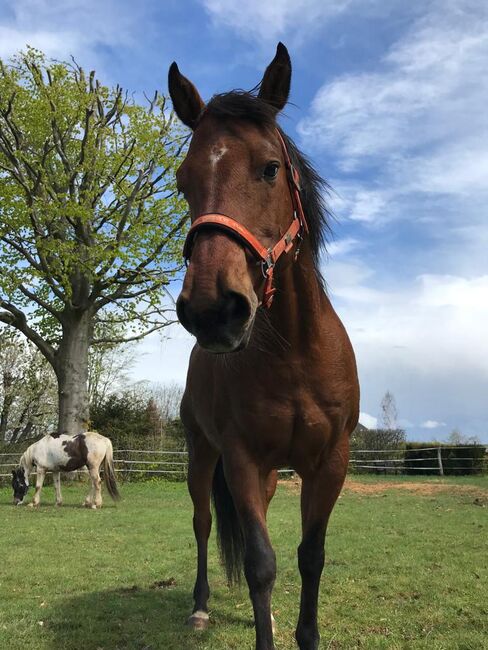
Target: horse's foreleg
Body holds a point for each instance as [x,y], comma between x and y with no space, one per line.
[319,494]
[57,488]
[201,466]
[247,488]
[40,475]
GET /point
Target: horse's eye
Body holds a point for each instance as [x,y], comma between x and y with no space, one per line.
[271,171]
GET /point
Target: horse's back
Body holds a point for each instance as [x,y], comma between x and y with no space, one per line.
[70,452]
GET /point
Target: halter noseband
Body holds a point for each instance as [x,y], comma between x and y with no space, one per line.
[267,256]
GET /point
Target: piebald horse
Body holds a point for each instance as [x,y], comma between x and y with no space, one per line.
[66,454]
[272,380]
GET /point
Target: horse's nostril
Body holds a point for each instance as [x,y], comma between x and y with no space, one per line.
[236,308]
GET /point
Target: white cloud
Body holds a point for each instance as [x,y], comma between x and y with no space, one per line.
[343,246]
[425,341]
[367,420]
[417,123]
[432,424]
[61,28]
[428,80]
[270,21]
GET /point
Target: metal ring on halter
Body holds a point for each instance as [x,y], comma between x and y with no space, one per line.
[267,264]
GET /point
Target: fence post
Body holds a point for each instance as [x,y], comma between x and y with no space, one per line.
[439,459]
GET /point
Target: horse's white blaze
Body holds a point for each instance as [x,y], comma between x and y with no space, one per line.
[217,153]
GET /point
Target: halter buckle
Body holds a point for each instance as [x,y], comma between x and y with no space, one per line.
[267,264]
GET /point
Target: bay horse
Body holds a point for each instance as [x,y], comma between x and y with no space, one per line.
[272,379]
[65,454]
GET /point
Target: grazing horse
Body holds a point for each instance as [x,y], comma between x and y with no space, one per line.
[272,380]
[66,454]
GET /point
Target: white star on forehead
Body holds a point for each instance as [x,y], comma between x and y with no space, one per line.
[217,154]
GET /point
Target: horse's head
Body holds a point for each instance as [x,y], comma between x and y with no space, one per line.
[20,485]
[236,168]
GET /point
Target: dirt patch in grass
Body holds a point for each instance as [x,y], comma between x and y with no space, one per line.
[430,488]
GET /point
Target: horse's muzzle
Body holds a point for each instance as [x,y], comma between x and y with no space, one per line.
[220,327]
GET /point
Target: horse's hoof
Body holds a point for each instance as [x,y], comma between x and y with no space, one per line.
[198,621]
[59,504]
[93,507]
[33,505]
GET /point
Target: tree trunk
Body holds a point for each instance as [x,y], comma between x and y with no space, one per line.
[71,369]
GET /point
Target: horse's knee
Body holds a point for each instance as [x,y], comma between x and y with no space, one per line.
[259,562]
[311,557]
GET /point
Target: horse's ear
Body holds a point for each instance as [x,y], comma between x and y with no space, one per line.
[275,86]
[185,97]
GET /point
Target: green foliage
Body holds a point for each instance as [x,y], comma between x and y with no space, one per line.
[132,421]
[456,459]
[123,417]
[363,438]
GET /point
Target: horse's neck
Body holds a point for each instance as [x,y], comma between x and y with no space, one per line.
[26,461]
[298,309]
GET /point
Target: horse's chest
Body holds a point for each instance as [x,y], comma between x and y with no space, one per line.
[271,422]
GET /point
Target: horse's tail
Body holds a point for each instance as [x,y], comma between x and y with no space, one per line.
[229,533]
[109,472]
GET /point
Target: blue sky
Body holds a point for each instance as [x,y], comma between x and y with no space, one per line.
[390,102]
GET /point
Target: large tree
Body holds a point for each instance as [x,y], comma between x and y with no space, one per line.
[90,220]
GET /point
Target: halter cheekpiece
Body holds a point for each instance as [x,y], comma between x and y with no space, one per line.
[267,256]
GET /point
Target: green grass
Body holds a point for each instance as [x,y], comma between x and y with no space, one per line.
[404,570]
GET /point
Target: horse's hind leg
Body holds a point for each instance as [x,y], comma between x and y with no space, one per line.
[94,498]
[57,488]
[319,494]
[202,459]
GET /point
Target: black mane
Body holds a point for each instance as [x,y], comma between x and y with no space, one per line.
[244,105]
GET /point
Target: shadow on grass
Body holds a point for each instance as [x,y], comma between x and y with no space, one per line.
[130,618]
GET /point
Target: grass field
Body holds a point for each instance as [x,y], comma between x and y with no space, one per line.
[407,568]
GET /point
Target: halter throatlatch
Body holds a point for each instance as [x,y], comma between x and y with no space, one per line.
[267,256]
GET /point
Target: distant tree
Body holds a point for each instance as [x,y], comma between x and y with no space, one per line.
[153,416]
[389,412]
[27,390]
[122,416]
[373,439]
[168,399]
[90,220]
[457,438]
[388,436]
[109,365]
